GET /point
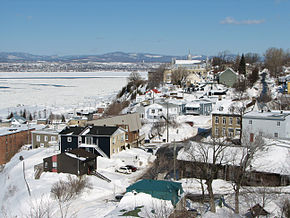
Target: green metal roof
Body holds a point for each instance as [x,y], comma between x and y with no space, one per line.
[166,190]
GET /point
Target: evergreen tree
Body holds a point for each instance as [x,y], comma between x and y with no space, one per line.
[24,114]
[62,118]
[242,66]
[30,117]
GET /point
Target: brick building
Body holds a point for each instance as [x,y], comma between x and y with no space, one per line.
[11,140]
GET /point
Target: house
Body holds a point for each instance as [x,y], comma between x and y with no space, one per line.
[12,139]
[154,111]
[257,211]
[17,120]
[78,121]
[100,140]
[198,107]
[44,138]
[228,77]
[77,162]
[161,189]
[130,122]
[171,108]
[226,120]
[272,124]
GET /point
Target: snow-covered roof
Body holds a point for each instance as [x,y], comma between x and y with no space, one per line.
[18,128]
[275,158]
[275,115]
[184,62]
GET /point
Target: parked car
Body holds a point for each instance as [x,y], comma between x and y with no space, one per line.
[132,168]
[125,170]
[119,197]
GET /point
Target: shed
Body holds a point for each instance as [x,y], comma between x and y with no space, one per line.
[165,190]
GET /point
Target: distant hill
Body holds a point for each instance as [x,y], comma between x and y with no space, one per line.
[108,57]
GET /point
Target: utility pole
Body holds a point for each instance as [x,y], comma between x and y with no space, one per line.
[167,123]
[174,159]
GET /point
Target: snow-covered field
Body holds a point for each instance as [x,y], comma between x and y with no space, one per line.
[57,91]
[96,202]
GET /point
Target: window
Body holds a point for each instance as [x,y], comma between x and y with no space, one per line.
[278,123]
[250,121]
[238,121]
[231,121]
[69,139]
[276,135]
[89,140]
[53,138]
[153,111]
[127,137]
[224,132]
[216,131]
[38,138]
[45,138]
[216,120]
[54,164]
[230,132]
[260,133]
[113,141]
[224,120]
[45,165]
[238,131]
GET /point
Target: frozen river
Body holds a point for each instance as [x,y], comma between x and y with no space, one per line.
[57,90]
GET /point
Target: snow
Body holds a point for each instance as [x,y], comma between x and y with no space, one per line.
[58,91]
[97,202]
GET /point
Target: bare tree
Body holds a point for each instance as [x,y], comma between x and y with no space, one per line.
[206,158]
[252,58]
[155,76]
[65,191]
[134,77]
[179,76]
[274,59]
[243,158]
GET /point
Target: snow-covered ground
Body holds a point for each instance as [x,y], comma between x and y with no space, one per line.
[58,92]
[97,202]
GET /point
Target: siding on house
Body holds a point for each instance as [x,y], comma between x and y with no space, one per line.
[11,140]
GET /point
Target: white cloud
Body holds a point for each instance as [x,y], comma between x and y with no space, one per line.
[230,20]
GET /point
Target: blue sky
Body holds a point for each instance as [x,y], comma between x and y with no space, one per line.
[170,27]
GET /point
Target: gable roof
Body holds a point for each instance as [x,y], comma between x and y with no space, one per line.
[82,153]
[132,120]
[75,130]
[100,130]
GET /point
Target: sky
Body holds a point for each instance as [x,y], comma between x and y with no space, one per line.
[169,27]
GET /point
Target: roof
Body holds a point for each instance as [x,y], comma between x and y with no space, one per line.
[12,130]
[155,186]
[82,153]
[100,130]
[46,131]
[187,62]
[166,190]
[228,69]
[75,130]
[132,120]
[258,210]
[269,115]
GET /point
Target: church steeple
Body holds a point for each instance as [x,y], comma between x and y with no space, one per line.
[189,57]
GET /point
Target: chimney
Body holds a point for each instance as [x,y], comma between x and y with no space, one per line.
[281,112]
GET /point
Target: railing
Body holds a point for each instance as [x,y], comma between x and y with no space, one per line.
[97,174]
[38,170]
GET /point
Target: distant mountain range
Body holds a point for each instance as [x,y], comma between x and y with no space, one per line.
[108,57]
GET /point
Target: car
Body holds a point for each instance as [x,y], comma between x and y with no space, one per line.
[124,170]
[119,197]
[132,168]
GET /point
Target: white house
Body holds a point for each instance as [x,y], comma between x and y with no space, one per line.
[154,111]
[271,124]
[198,107]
